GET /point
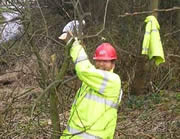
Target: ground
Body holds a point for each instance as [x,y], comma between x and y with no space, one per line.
[154,115]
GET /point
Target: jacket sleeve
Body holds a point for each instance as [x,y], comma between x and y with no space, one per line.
[146,40]
[99,80]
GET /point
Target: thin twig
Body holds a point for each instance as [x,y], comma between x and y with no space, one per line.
[172,55]
[45,22]
[104,22]
[174,32]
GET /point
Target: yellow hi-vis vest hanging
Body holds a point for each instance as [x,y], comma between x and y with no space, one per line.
[94,111]
[152,45]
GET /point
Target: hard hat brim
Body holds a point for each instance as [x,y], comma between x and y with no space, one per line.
[104,58]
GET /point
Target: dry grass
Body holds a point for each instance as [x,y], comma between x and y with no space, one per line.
[150,116]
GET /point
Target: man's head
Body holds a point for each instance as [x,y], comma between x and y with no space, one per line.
[105,56]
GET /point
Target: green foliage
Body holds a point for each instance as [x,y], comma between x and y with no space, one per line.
[135,102]
[178,124]
[178,97]
[156,115]
[156,98]
[143,102]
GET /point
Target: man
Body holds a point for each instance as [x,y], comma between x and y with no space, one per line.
[94,111]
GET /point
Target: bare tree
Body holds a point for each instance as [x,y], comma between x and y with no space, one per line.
[178,23]
[142,71]
[154,5]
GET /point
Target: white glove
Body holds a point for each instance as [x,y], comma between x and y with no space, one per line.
[71,27]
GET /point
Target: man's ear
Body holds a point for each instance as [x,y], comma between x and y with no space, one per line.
[113,67]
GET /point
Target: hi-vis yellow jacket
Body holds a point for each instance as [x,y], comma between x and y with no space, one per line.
[94,111]
[152,45]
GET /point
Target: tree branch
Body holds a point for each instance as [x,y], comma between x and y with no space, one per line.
[149,12]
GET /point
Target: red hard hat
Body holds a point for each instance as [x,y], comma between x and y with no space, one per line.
[105,51]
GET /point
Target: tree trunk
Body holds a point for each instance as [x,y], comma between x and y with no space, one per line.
[143,67]
[178,22]
[96,8]
[54,113]
[141,75]
[54,98]
[154,5]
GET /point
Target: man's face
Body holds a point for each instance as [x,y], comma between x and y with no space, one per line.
[105,64]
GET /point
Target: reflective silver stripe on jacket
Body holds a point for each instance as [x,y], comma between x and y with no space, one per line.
[81,133]
[147,32]
[146,49]
[101,100]
[120,96]
[154,30]
[104,82]
[74,102]
[81,58]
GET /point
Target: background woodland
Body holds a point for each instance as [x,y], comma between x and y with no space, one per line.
[37,77]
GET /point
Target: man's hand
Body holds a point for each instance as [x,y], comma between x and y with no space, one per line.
[71,30]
